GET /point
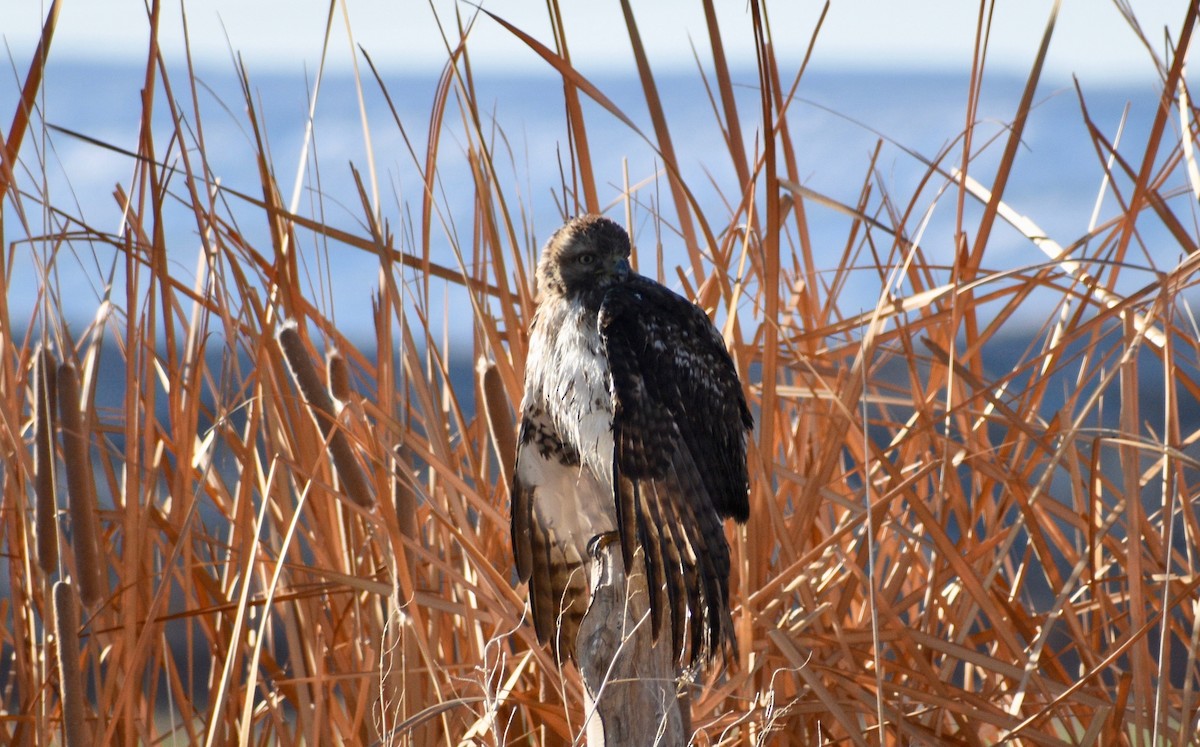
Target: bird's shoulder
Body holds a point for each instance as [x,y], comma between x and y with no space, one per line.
[661,329]
[651,316]
[640,293]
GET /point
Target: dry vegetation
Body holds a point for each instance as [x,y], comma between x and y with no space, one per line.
[942,550]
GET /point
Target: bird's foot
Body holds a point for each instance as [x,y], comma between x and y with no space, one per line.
[597,544]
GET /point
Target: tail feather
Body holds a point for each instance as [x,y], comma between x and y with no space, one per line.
[558,592]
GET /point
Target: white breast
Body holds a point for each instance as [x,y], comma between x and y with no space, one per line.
[569,375]
[569,501]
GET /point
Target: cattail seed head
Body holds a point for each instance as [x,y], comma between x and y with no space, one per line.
[45,388]
[81,489]
[320,405]
[337,370]
[70,675]
[497,411]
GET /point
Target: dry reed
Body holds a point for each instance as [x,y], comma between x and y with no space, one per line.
[45,383]
[70,673]
[338,375]
[497,412]
[321,405]
[952,540]
[90,568]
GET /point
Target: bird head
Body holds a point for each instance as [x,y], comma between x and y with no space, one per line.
[583,258]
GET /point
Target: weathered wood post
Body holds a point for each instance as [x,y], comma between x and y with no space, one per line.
[630,681]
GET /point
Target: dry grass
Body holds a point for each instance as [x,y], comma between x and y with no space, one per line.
[946,545]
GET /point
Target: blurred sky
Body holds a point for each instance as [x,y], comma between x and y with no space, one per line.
[1091,38]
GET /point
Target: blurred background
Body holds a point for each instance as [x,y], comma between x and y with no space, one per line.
[900,72]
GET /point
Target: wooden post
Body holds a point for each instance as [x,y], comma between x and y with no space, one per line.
[630,681]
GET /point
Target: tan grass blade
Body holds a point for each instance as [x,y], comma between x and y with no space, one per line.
[583,84]
[1057,254]
[29,90]
[1141,188]
[662,137]
[586,181]
[1016,129]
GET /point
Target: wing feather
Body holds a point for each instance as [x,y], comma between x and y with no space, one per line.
[679,425]
[651,542]
[522,516]
[662,512]
[701,552]
[627,513]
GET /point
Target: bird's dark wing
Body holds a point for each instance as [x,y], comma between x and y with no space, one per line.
[679,467]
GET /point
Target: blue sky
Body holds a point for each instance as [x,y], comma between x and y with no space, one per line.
[1057,181]
[1091,38]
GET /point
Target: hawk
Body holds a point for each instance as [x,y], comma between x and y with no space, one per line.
[633,429]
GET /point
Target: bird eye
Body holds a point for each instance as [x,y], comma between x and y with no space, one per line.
[586,259]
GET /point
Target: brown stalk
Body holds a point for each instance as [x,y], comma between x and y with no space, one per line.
[320,406]
[11,144]
[683,207]
[498,413]
[562,67]
[90,565]
[586,180]
[338,373]
[1011,147]
[45,380]
[70,673]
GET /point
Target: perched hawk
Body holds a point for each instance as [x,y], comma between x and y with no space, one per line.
[633,428]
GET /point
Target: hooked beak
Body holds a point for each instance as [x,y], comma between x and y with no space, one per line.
[621,268]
